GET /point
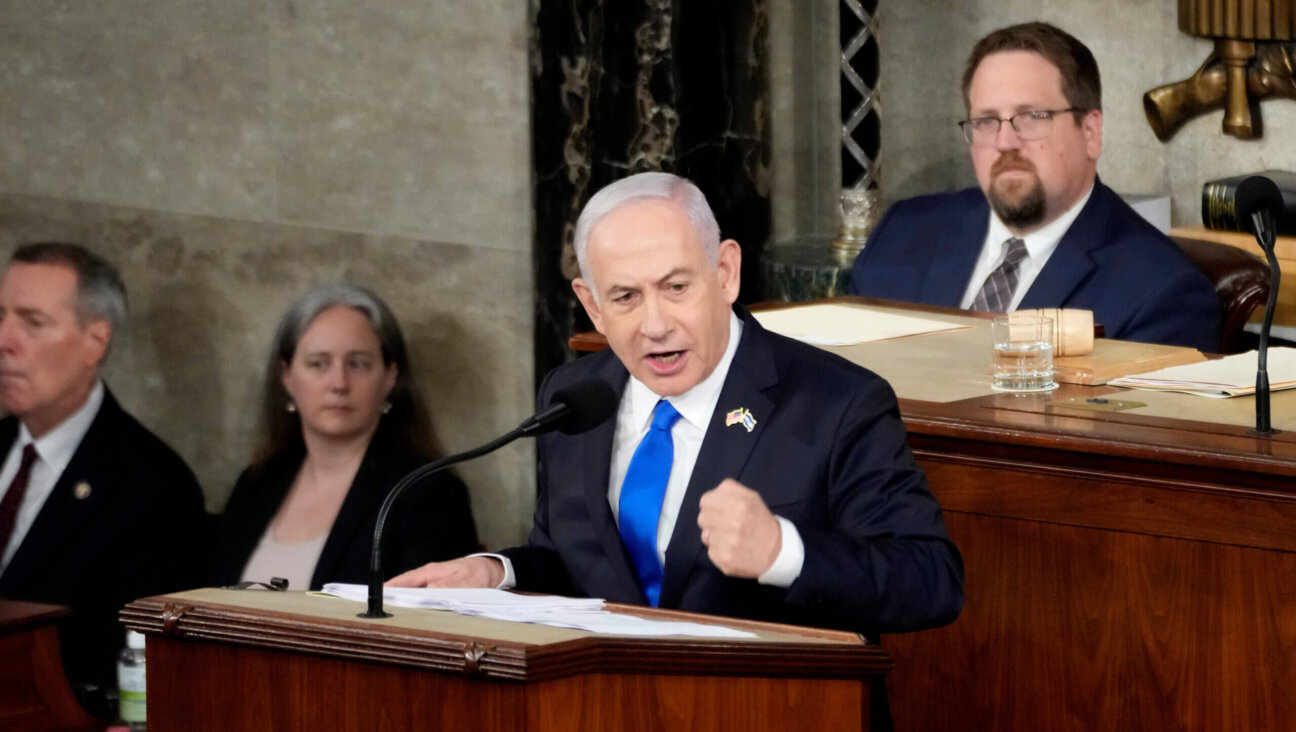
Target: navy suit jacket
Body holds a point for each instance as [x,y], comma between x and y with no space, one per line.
[430,522]
[1138,284]
[138,532]
[827,452]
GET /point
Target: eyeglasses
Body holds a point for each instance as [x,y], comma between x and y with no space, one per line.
[1033,125]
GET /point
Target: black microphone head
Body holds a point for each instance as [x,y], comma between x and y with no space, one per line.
[590,403]
[1257,193]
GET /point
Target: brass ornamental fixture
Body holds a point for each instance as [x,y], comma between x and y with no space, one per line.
[1253,58]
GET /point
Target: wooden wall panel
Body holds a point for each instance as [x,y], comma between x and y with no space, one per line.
[1076,628]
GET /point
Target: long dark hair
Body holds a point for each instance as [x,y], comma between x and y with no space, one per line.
[406,426]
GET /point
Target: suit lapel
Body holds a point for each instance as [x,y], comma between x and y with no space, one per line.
[725,450]
[954,259]
[356,514]
[1072,261]
[595,459]
[64,514]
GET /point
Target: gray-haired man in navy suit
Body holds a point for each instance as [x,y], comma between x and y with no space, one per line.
[96,511]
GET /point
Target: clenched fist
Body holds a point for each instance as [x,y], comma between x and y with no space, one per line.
[741,535]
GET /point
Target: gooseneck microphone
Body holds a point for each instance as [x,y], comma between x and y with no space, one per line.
[1258,204]
[577,408]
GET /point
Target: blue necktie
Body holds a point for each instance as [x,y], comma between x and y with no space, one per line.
[641,498]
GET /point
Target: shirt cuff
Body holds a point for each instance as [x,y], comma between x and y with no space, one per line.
[510,579]
[787,565]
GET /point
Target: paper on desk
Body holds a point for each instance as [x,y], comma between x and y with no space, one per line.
[562,612]
[842,325]
[1225,377]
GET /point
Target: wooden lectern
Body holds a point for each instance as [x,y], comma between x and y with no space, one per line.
[236,660]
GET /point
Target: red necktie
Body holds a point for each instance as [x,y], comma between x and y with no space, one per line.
[14,497]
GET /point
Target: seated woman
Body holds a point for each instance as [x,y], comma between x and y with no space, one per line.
[341,423]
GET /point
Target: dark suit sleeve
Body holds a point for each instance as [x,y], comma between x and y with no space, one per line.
[536,565]
[884,561]
[163,545]
[173,535]
[433,523]
[863,280]
[1178,310]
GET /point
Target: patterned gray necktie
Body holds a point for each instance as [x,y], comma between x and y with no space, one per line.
[998,289]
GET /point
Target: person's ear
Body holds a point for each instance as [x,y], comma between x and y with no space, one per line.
[98,337]
[589,302]
[729,269]
[1091,126]
[393,371]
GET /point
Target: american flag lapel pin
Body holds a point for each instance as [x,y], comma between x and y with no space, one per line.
[741,416]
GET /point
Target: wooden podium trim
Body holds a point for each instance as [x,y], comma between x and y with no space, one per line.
[788,651]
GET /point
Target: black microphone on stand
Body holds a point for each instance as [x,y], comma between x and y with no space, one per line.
[577,408]
[1258,203]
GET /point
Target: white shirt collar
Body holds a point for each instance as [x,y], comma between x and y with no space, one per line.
[1041,243]
[697,404]
[57,446]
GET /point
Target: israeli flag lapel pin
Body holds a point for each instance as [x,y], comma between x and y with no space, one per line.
[741,416]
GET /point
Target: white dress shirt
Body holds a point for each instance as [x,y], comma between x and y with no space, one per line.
[696,407]
[54,451]
[1040,245]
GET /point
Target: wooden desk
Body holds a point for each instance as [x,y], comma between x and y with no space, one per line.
[1125,570]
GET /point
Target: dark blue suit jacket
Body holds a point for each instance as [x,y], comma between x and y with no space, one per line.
[1138,284]
[138,530]
[827,452]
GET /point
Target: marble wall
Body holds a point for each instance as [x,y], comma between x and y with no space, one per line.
[228,155]
[924,44]
[624,88]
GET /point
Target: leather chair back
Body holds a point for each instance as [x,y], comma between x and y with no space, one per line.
[1241,282]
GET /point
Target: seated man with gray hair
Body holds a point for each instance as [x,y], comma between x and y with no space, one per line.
[95,511]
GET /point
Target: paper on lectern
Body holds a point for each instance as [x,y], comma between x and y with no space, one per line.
[561,612]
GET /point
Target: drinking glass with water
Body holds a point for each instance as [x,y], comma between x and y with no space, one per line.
[1023,353]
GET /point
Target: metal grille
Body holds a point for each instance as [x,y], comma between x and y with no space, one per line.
[861,124]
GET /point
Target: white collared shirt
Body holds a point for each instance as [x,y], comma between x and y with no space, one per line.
[54,451]
[696,407]
[1040,245]
[634,417]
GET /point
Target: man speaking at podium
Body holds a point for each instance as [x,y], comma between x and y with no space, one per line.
[744,474]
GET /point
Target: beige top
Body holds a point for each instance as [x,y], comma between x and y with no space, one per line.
[294,562]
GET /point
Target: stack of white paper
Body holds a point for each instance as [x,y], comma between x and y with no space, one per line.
[1224,377]
[562,612]
[842,325]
